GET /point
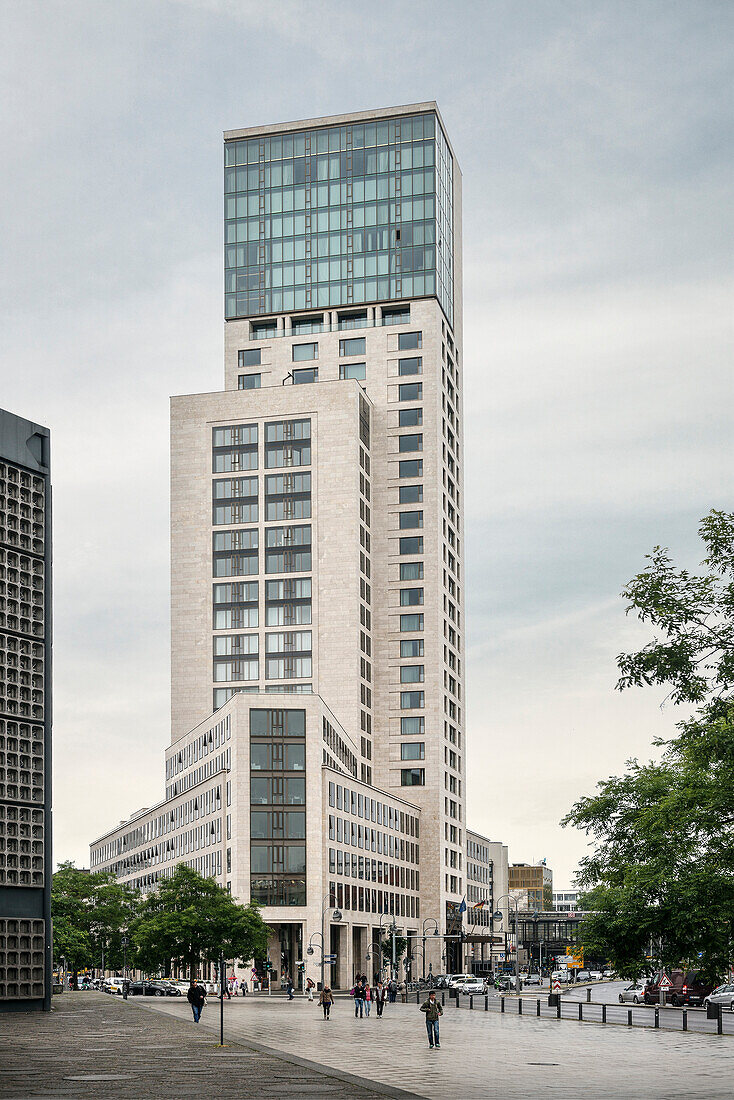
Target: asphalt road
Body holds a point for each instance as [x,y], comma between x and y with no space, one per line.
[669,1017]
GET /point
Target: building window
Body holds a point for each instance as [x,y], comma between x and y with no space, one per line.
[396,316]
[412,545]
[264,330]
[409,418]
[250,357]
[353,370]
[411,597]
[410,366]
[412,727]
[413,750]
[412,700]
[410,623]
[410,391]
[411,494]
[411,571]
[409,340]
[357,345]
[409,520]
[307,374]
[303,352]
[412,777]
[411,467]
[249,382]
[410,443]
[412,674]
[352,320]
[303,326]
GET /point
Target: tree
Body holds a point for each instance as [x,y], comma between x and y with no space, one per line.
[90,913]
[401,946]
[190,918]
[694,614]
[662,869]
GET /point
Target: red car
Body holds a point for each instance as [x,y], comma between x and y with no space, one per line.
[687,988]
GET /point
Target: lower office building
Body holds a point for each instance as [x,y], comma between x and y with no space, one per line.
[25,715]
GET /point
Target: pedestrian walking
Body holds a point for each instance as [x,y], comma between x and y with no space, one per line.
[367,995]
[196,997]
[243,987]
[359,991]
[379,997]
[310,988]
[326,1000]
[235,987]
[392,991]
[289,987]
[433,1012]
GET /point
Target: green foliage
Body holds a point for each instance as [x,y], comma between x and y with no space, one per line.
[693,651]
[661,871]
[189,918]
[90,913]
[401,946]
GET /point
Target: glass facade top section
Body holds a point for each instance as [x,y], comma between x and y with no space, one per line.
[337,216]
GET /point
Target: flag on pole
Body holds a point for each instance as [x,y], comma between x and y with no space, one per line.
[462,907]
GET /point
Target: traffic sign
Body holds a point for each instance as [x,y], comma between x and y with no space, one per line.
[556,985]
[329,958]
[665,982]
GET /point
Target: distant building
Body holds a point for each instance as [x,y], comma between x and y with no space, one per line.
[535,883]
[566,901]
[486,884]
[25,715]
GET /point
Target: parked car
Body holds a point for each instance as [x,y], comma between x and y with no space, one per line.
[532,979]
[634,993]
[471,985]
[458,979]
[559,976]
[595,975]
[114,985]
[608,975]
[687,988]
[722,995]
[506,983]
[583,975]
[152,989]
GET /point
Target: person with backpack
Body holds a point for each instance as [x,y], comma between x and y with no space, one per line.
[326,1000]
[433,1012]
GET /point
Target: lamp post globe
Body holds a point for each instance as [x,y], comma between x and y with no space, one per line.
[497,915]
[337,914]
[309,950]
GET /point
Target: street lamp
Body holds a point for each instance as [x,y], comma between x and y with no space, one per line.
[337,917]
[498,916]
[380,961]
[393,928]
[435,932]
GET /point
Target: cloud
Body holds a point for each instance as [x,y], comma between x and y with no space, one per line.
[596,152]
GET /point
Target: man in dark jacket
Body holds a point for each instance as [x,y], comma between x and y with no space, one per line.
[196,996]
[359,996]
[433,1011]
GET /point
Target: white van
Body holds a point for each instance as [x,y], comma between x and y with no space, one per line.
[457,979]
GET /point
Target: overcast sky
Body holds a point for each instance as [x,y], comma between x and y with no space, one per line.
[595,142]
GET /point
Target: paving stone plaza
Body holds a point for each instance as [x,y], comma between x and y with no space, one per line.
[94,1046]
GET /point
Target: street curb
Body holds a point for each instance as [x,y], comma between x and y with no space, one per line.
[306,1063]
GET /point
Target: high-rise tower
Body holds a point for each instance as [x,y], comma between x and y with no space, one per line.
[317,530]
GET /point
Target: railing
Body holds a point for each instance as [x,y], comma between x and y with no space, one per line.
[340,326]
[596,1012]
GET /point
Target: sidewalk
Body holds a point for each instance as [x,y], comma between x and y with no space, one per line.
[99,1047]
[483,1055]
